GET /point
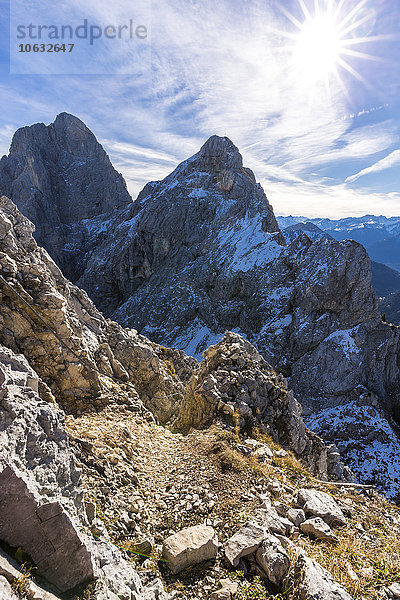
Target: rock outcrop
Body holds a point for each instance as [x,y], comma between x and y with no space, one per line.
[41,495]
[234,379]
[84,359]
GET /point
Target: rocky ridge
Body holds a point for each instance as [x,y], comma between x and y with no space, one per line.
[201,252]
[214,478]
[81,356]
[42,499]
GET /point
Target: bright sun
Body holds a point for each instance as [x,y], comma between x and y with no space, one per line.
[326,40]
[318,45]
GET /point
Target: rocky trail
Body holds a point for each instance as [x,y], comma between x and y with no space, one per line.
[215,478]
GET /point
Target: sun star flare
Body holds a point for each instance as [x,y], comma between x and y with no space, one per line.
[328,37]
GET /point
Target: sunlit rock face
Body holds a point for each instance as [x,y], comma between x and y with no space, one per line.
[79,354]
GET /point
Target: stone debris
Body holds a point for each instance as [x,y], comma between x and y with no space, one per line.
[318,529]
[273,559]
[190,546]
[320,504]
[263,453]
[227,592]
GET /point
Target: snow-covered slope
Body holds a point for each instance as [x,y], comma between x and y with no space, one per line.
[367,441]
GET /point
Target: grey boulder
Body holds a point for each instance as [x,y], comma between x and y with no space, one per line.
[313,582]
[317,528]
[246,541]
[190,546]
[273,560]
[320,504]
[243,542]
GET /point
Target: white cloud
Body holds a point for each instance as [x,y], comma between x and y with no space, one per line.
[218,67]
[333,202]
[389,161]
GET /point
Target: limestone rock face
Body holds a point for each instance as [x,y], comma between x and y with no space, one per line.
[86,360]
[184,233]
[190,546]
[234,375]
[41,494]
[60,177]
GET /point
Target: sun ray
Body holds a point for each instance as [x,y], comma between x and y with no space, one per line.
[291,18]
[305,10]
[371,38]
[342,86]
[338,9]
[354,25]
[353,12]
[363,55]
[350,69]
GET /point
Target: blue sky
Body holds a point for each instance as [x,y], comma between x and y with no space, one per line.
[320,131]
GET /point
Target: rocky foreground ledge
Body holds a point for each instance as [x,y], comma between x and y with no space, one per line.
[209,514]
[42,499]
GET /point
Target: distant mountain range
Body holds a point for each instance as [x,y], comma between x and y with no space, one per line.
[378,234]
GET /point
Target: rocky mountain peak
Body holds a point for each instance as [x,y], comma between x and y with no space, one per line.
[67,130]
[220,153]
[59,176]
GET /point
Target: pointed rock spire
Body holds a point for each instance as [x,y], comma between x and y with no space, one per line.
[220,153]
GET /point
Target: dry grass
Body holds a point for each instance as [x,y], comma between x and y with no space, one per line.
[366,559]
[20,585]
[367,556]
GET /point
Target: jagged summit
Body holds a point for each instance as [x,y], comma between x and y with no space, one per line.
[220,153]
[59,176]
[67,132]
